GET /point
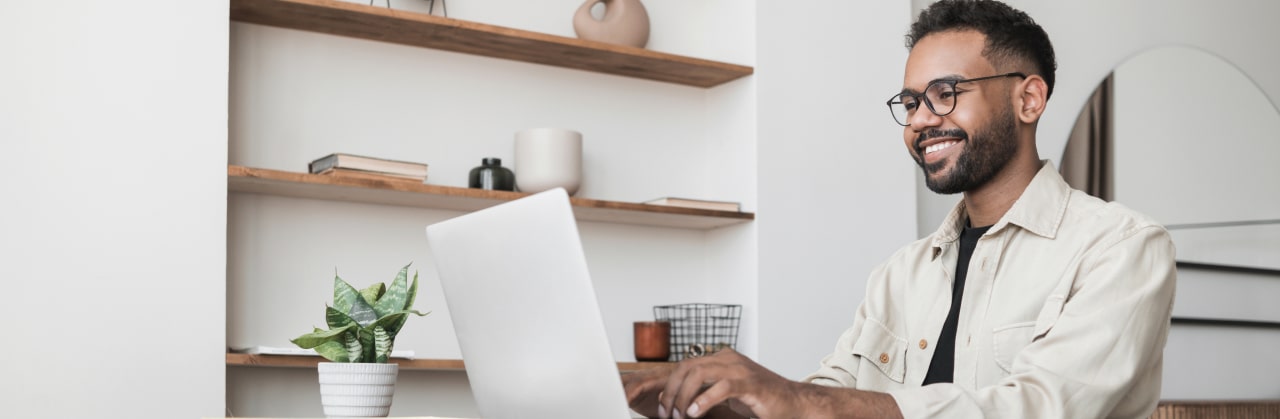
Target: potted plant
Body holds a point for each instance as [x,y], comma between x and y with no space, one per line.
[359,382]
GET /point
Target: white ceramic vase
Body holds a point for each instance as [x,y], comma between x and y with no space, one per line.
[356,390]
[548,158]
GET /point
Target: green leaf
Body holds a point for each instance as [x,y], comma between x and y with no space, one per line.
[333,351]
[366,344]
[337,319]
[396,295]
[382,345]
[413,292]
[396,327]
[347,300]
[373,293]
[314,339]
[355,351]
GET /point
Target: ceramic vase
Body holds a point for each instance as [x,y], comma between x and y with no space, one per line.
[547,158]
[356,390]
[625,22]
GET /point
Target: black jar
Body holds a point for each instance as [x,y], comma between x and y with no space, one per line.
[490,175]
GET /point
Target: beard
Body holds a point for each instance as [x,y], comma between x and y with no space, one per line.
[989,151]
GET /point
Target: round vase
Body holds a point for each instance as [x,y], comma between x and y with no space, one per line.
[490,175]
[625,22]
[547,158]
[357,390]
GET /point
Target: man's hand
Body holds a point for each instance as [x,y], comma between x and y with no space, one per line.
[643,388]
[728,384]
[697,385]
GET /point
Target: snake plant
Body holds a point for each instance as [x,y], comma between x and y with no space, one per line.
[363,324]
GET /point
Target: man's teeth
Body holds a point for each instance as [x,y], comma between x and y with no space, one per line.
[939,146]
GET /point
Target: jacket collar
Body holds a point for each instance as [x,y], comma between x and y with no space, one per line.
[1040,210]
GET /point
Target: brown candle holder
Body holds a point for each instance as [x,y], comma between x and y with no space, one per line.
[652,341]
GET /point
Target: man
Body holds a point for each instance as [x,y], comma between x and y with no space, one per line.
[1031,300]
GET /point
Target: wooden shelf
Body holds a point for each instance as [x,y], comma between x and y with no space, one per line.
[423,30]
[293,361]
[415,194]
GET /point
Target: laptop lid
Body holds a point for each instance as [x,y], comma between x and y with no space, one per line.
[525,312]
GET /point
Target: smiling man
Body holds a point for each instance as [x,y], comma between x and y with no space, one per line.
[1031,300]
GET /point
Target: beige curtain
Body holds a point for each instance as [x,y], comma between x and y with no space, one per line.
[1087,161]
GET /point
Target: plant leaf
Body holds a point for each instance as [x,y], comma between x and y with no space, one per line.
[396,294]
[367,345]
[347,300]
[394,328]
[382,345]
[355,351]
[413,292]
[333,351]
[373,293]
[337,319]
[318,337]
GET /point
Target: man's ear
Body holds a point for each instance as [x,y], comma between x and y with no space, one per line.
[1032,94]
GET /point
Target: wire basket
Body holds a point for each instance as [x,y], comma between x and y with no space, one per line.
[700,329]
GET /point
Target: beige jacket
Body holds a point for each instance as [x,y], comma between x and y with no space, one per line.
[1065,314]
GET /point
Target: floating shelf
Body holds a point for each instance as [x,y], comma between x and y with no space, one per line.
[295,361]
[424,30]
[415,194]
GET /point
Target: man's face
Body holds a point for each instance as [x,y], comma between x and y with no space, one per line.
[967,148]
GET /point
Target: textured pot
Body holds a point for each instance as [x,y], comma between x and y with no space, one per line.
[625,22]
[355,390]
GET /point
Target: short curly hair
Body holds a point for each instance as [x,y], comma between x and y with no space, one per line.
[1011,34]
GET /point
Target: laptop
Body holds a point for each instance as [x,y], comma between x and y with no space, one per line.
[525,313]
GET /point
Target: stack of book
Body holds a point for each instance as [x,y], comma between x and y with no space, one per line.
[341,164]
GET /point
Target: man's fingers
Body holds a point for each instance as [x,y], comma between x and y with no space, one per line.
[690,388]
[712,396]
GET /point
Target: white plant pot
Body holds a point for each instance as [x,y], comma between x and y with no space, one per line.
[357,390]
[547,158]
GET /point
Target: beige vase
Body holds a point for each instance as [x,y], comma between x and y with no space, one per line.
[625,22]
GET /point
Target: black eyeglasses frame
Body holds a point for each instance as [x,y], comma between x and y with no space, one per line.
[897,99]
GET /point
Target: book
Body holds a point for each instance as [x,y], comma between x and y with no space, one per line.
[275,350]
[696,203]
[379,176]
[368,164]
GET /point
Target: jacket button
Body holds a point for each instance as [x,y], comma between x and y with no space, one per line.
[924,344]
[884,358]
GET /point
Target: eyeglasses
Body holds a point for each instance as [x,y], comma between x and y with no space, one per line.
[939,96]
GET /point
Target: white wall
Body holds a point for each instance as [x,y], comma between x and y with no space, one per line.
[113,123]
[836,195]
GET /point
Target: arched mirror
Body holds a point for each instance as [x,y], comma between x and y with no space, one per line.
[1185,137]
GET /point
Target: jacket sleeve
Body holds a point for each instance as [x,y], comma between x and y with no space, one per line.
[840,368]
[1099,348]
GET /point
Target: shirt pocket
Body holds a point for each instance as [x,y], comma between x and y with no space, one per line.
[1048,316]
[880,347]
[1009,340]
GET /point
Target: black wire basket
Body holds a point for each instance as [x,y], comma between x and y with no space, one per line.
[699,329]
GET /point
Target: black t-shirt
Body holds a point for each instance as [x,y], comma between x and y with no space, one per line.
[943,365]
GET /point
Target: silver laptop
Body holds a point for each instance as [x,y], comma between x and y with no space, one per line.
[516,283]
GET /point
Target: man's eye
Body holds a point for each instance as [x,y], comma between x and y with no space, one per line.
[910,105]
[946,95]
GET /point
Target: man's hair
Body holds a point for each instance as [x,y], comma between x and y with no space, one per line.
[1011,34]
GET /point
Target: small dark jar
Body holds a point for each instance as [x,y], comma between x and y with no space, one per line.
[490,175]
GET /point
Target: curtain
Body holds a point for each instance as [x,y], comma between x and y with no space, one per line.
[1087,160]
